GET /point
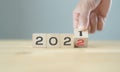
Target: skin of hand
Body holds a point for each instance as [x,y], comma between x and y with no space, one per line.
[90,14]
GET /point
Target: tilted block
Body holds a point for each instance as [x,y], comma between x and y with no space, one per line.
[80,34]
[80,42]
[80,38]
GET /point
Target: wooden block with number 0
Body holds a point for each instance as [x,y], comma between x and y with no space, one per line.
[67,40]
[53,40]
[39,40]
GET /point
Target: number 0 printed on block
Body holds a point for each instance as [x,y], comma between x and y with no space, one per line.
[53,40]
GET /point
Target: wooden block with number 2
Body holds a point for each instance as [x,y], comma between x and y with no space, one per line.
[67,40]
[39,40]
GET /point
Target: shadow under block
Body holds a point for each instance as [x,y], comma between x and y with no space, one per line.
[53,40]
[67,40]
[39,40]
[80,38]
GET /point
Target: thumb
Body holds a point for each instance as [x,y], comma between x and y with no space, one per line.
[86,6]
[84,19]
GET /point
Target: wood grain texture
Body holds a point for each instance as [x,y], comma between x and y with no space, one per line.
[20,56]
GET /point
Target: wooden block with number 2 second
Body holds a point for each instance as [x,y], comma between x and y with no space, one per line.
[67,40]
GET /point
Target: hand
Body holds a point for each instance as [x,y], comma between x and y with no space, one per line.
[90,14]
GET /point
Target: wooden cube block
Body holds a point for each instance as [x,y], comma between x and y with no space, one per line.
[80,42]
[67,40]
[80,38]
[53,40]
[39,40]
[80,34]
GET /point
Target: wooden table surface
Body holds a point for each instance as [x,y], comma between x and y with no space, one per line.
[19,56]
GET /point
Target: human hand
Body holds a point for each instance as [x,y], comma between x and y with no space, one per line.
[90,14]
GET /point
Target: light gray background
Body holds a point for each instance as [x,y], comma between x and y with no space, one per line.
[20,18]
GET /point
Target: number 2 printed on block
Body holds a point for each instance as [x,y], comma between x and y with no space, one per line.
[39,40]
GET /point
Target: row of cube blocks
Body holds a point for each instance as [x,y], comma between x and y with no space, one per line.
[42,40]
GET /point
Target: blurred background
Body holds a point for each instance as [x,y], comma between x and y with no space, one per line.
[19,19]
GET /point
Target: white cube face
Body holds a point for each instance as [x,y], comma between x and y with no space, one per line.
[80,34]
[67,40]
[53,40]
[39,40]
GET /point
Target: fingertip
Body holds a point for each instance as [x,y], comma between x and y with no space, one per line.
[83,28]
[100,23]
[75,20]
[99,29]
[93,22]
